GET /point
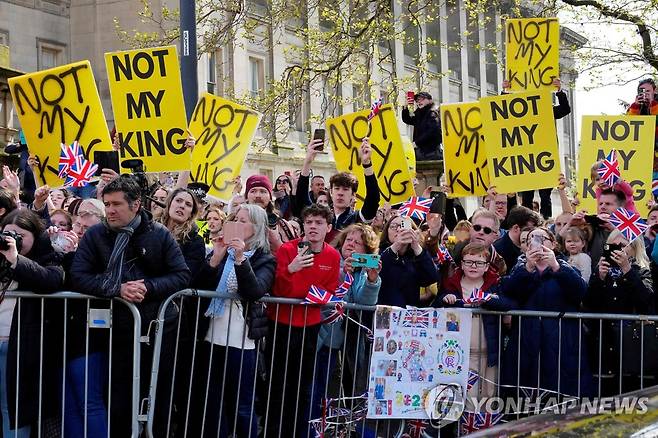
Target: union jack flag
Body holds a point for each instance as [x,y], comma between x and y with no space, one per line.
[374,108]
[608,170]
[336,314]
[81,173]
[486,419]
[416,207]
[629,223]
[654,187]
[416,318]
[344,286]
[471,422]
[67,157]
[443,255]
[316,295]
[477,296]
[415,428]
[473,378]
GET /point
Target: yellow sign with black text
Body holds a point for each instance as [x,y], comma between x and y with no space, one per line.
[632,137]
[522,148]
[464,153]
[149,111]
[59,105]
[388,158]
[532,53]
[224,131]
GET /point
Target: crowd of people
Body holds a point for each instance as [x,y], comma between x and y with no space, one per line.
[242,367]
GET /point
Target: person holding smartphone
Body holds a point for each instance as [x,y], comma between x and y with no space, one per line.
[646,104]
[545,348]
[427,126]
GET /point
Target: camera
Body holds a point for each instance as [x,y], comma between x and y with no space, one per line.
[17,237]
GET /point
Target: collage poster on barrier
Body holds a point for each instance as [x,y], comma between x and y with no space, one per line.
[414,351]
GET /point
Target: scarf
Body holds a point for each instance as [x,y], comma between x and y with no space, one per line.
[111,281]
[216,307]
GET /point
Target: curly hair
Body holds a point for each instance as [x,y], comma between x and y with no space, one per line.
[181,232]
[368,235]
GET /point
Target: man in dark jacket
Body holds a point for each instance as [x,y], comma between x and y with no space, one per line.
[427,127]
[131,257]
[509,246]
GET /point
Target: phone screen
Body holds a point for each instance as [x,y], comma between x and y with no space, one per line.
[106,160]
[233,230]
[318,134]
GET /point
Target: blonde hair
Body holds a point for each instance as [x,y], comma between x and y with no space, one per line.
[368,235]
[637,248]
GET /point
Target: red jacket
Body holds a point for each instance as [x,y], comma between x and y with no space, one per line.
[323,274]
[453,284]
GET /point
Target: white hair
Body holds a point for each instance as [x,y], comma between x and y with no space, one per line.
[258,217]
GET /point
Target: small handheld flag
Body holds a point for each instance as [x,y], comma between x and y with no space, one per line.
[80,173]
[67,157]
[477,296]
[416,207]
[608,171]
[629,223]
[374,108]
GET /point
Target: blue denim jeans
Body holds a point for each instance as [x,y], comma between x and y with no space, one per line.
[23,432]
[74,415]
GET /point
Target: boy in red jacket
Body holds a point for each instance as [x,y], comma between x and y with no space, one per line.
[293,334]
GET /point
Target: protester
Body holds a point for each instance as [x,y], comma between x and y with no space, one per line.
[58,198]
[226,364]
[544,282]
[61,219]
[323,199]
[347,338]
[475,273]
[317,187]
[620,186]
[646,104]
[406,265]
[621,284]
[342,188]
[215,218]
[575,244]
[650,234]
[30,376]
[134,258]
[427,126]
[462,231]
[158,199]
[293,332]
[509,246]
[283,196]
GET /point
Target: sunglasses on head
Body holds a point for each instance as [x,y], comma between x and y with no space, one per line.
[477,228]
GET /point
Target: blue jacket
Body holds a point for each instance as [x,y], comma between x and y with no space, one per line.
[403,276]
[361,291]
[541,341]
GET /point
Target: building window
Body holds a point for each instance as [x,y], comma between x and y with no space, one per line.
[211,83]
[50,54]
[296,105]
[256,76]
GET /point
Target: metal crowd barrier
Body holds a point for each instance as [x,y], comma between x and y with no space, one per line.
[189,404]
[51,316]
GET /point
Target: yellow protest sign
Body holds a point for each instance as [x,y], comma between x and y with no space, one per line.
[464,154]
[388,159]
[410,154]
[532,53]
[149,112]
[522,149]
[632,137]
[224,131]
[56,106]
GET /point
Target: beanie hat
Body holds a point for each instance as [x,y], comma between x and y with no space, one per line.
[258,181]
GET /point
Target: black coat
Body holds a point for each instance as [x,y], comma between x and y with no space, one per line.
[255,278]
[427,127]
[632,293]
[36,272]
[194,252]
[152,254]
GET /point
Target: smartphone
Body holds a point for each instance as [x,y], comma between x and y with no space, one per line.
[536,242]
[106,160]
[608,249]
[318,134]
[233,230]
[365,260]
[303,247]
[411,96]
[406,223]
[287,172]
[438,202]
[654,227]
[593,220]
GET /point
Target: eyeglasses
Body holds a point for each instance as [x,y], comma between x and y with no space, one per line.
[281,181]
[474,263]
[395,227]
[477,228]
[501,203]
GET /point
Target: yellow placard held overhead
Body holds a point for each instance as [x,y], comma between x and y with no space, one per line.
[464,154]
[522,149]
[149,112]
[59,105]
[223,131]
[388,159]
[410,154]
[532,53]
[632,137]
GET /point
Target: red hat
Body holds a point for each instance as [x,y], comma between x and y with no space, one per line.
[258,181]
